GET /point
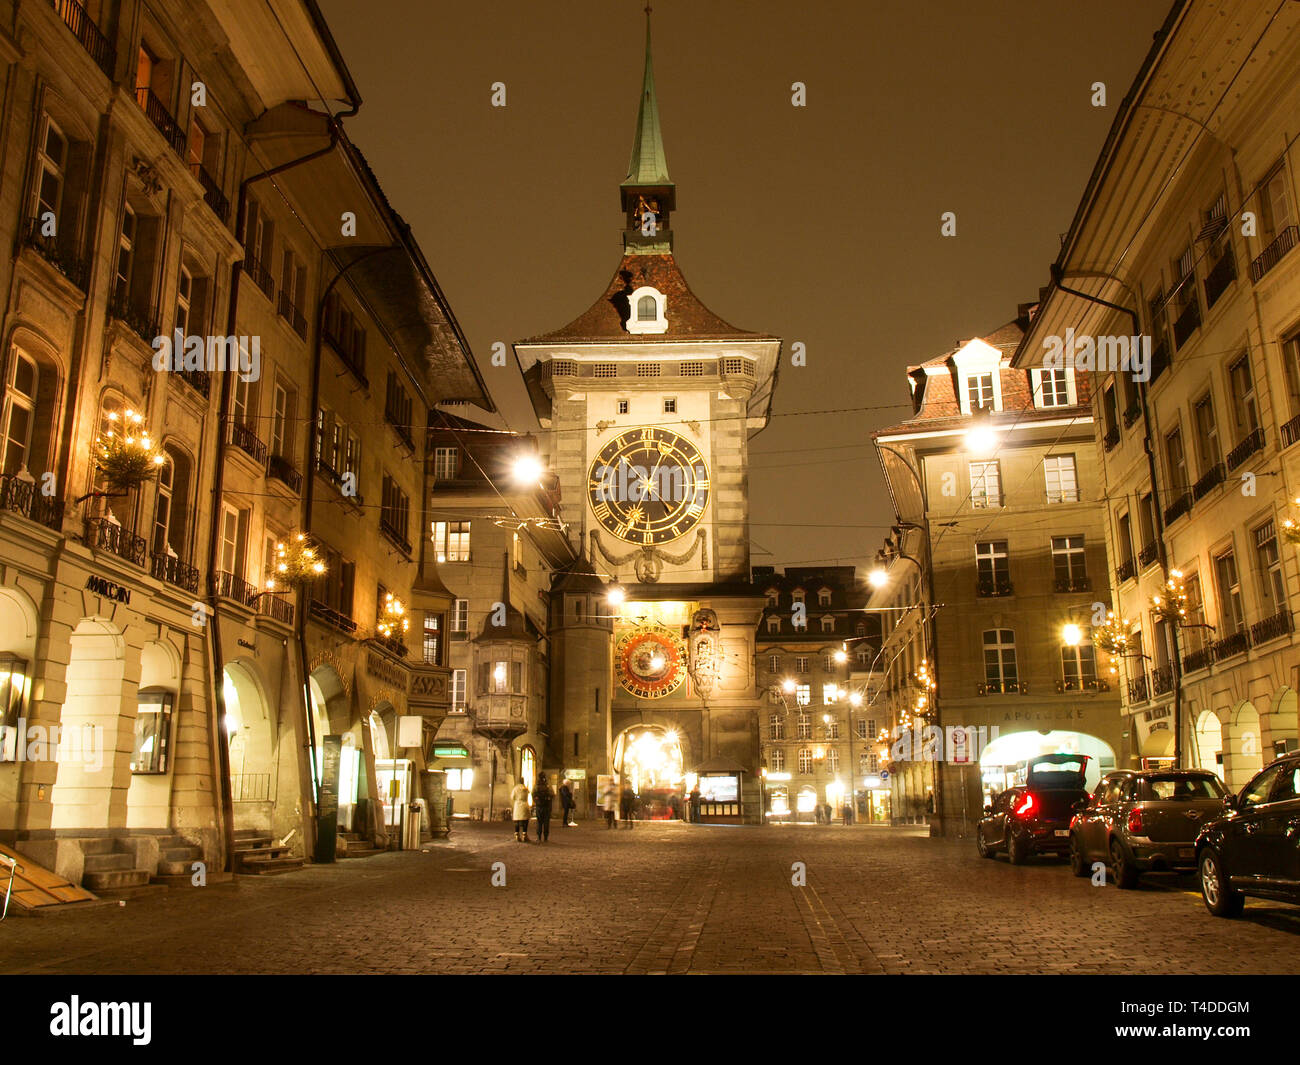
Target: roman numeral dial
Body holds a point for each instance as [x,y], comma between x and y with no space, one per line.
[648,486]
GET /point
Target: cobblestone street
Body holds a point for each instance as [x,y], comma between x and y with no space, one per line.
[665,898]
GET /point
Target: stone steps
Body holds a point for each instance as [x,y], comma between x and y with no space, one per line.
[258,854]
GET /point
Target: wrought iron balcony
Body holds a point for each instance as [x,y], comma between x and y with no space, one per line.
[1222,274]
[260,276]
[83,27]
[288,310]
[993,589]
[1002,687]
[1162,680]
[1126,572]
[1132,413]
[1270,628]
[1187,322]
[142,322]
[1160,360]
[283,470]
[236,588]
[1072,584]
[1179,507]
[121,542]
[1087,684]
[242,437]
[212,194]
[353,359]
[1111,438]
[1149,553]
[1272,255]
[1200,659]
[1212,478]
[1254,442]
[1235,644]
[21,496]
[277,607]
[66,263]
[1291,431]
[199,380]
[395,535]
[171,569]
[332,617]
[1137,689]
[156,111]
[398,422]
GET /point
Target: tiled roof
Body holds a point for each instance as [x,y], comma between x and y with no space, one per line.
[687,316]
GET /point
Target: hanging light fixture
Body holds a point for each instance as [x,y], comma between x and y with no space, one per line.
[124,451]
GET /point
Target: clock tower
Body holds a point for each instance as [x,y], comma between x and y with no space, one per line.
[650,400]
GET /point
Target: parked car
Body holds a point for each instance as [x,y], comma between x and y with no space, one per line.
[1143,820]
[1034,817]
[1254,848]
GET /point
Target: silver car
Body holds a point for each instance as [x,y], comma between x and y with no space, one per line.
[1142,820]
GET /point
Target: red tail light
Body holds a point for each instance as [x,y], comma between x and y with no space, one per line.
[1135,820]
[1027,807]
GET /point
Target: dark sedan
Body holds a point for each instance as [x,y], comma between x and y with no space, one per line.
[1139,821]
[1034,817]
[1254,848]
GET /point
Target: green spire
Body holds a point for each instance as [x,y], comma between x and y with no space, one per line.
[648,166]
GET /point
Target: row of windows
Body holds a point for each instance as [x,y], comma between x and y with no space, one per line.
[776,663]
[863,728]
[1061,481]
[798,595]
[623,406]
[1069,565]
[1002,671]
[799,623]
[1051,388]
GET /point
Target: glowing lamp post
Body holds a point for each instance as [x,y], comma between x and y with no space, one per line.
[125,453]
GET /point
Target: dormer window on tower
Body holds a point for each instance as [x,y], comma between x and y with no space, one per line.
[648,311]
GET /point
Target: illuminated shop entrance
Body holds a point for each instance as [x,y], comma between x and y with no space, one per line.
[1004,761]
[649,757]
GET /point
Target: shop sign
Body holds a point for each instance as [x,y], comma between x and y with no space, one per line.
[450,750]
[101,586]
[575,774]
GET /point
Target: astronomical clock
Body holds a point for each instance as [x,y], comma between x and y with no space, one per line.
[650,661]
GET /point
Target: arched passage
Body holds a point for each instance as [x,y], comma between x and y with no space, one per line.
[93,776]
[18,626]
[651,759]
[332,716]
[252,738]
[1209,742]
[1003,761]
[149,798]
[1243,746]
[1282,733]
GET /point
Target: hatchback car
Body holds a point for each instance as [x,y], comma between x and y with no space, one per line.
[1254,848]
[1144,820]
[1034,817]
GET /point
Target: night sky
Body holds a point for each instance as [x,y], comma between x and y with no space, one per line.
[819,224]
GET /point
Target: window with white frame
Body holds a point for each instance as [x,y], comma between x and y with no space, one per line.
[774,663]
[979,391]
[823,597]
[861,729]
[451,541]
[621,406]
[446,463]
[670,405]
[985,484]
[828,693]
[1062,482]
[1272,580]
[460,615]
[1078,666]
[776,760]
[832,729]
[458,681]
[1069,565]
[801,664]
[1231,616]
[776,727]
[805,761]
[1052,387]
[803,694]
[833,761]
[1000,674]
[773,596]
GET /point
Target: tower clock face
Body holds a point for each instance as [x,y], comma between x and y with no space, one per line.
[650,662]
[648,486]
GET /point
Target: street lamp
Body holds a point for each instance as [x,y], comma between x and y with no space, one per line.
[527,469]
[878,578]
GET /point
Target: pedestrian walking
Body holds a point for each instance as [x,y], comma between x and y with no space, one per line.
[566,805]
[609,802]
[519,800]
[627,802]
[543,797]
[695,804]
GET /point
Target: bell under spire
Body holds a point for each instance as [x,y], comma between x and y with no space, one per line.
[648,193]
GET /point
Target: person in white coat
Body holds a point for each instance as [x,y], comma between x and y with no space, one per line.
[519,799]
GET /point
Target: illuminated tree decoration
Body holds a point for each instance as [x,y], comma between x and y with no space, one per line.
[125,453]
[393,622]
[1172,605]
[1291,528]
[1113,637]
[296,562]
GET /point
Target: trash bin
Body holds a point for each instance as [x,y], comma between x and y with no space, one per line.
[411,829]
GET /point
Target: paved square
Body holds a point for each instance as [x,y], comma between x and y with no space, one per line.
[665,898]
